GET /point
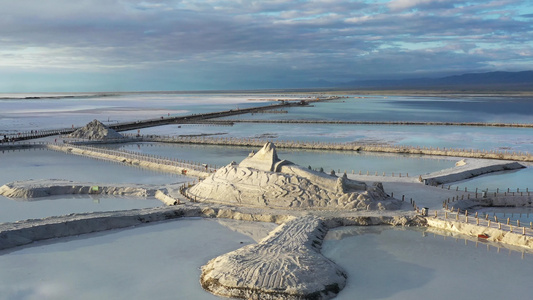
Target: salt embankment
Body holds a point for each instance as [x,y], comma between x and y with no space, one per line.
[494,234]
[287,264]
[364,147]
[130,159]
[263,180]
[27,231]
[469,168]
[29,189]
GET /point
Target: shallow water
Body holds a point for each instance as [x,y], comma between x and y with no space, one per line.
[16,210]
[458,137]
[30,114]
[46,164]
[415,108]
[522,214]
[500,181]
[328,160]
[161,261]
[158,261]
[404,263]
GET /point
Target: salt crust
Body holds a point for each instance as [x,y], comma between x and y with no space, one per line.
[262,180]
[95,130]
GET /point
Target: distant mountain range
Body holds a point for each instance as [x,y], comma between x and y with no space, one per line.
[486,81]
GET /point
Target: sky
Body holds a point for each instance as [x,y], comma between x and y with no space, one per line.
[128,45]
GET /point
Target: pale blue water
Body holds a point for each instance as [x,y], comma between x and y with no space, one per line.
[458,137]
[161,261]
[158,261]
[46,164]
[16,210]
[408,263]
[414,108]
[523,214]
[336,160]
[518,179]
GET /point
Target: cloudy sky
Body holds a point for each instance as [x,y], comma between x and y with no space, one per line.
[127,45]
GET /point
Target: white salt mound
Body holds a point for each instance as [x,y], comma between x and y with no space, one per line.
[263,180]
[95,130]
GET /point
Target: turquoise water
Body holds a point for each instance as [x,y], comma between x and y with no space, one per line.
[522,214]
[513,180]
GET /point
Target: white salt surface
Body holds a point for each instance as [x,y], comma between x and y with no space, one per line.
[158,261]
[29,114]
[395,263]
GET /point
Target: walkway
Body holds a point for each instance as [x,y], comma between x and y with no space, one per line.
[34,134]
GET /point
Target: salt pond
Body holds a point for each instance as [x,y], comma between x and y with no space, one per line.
[451,108]
[337,160]
[501,181]
[162,261]
[459,137]
[45,164]
[408,263]
[159,261]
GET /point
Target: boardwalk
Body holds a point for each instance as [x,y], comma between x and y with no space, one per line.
[153,122]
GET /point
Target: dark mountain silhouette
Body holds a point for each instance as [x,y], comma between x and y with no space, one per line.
[492,80]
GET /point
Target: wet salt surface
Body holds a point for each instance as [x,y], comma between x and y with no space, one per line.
[29,114]
[157,261]
[407,263]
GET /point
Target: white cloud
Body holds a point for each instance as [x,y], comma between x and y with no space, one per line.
[315,38]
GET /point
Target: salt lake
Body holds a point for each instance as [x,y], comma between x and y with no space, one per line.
[162,260]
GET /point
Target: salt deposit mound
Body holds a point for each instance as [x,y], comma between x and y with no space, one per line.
[287,264]
[95,130]
[262,180]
